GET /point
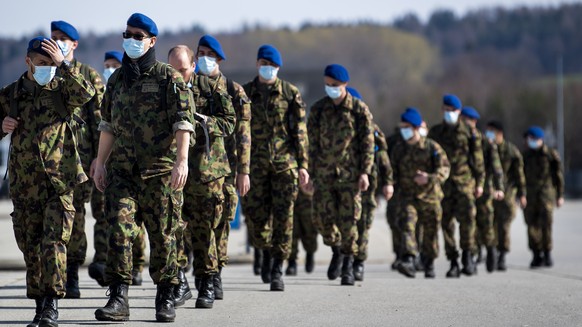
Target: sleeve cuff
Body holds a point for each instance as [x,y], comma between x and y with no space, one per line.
[105,127]
[183,126]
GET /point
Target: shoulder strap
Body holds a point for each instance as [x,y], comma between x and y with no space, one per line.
[230,88]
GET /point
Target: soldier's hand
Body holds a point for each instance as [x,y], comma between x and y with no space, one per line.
[363,182]
[243,184]
[303,177]
[179,174]
[53,49]
[498,195]
[388,191]
[560,202]
[523,202]
[308,188]
[92,168]
[421,177]
[478,192]
[99,177]
[9,124]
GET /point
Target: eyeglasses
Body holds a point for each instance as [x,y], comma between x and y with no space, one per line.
[136,36]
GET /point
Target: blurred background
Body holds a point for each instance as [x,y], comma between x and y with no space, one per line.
[519,62]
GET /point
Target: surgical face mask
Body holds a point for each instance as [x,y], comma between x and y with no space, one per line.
[268,72]
[423,131]
[65,47]
[107,72]
[533,144]
[490,135]
[44,74]
[333,92]
[207,64]
[407,133]
[134,48]
[451,117]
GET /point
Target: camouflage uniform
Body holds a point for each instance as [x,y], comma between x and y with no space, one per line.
[278,150]
[513,186]
[44,168]
[544,184]
[381,175]
[303,227]
[341,149]
[420,203]
[143,116]
[392,205]
[465,155]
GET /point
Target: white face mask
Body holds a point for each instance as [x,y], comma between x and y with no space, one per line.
[134,48]
[407,133]
[65,47]
[268,73]
[107,73]
[44,74]
[533,144]
[207,65]
[451,117]
[490,135]
[423,131]
[333,92]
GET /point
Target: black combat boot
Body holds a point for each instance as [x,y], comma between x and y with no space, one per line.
[266,266]
[429,268]
[182,291]
[258,261]
[165,311]
[291,268]
[548,262]
[97,272]
[407,267]
[394,265]
[479,255]
[218,293]
[348,271]
[501,261]
[419,263]
[454,271]
[136,278]
[335,265]
[491,259]
[469,267]
[117,308]
[309,263]
[72,285]
[359,270]
[277,276]
[50,313]
[38,313]
[537,260]
[205,298]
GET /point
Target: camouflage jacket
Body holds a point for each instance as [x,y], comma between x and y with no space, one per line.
[143,119]
[341,139]
[278,130]
[425,155]
[543,173]
[88,115]
[382,168]
[512,163]
[493,168]
[464,152]
[44,141]
[215,120]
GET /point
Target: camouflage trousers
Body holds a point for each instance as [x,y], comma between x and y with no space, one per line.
[228,215]
[203,204]
[268,208]
[392,218]
[303,228]
[539,219]
[417,214]
[337,208]
[132,201]
[485,232]
[42,227]
[77,247]
[459,205]
[504,213]
[183,243]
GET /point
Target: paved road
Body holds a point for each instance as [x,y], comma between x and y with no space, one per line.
[518,297]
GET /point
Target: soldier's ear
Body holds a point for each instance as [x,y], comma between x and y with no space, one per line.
[153,40]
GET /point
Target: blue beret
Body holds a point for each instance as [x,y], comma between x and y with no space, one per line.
[536,132]
[412,116]
[66,28]
[354,92]
[337,72]
[270,53]
[144,22]
[470,112]
[212,43]
[452,100]
[117,55]
[35,45]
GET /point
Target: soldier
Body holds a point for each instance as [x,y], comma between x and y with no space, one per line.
[86,117]
[341,149]
[420,169]
[381,175]
[145,133]
[97,268]
[465,183]
[392,205]
[279,152]
[44,168]
[513,187]
[493,189]
[545,188]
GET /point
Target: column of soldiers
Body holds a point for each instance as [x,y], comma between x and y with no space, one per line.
[169,153]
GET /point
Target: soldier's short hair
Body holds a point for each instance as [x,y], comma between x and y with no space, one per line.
[182,47]
[495,124]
